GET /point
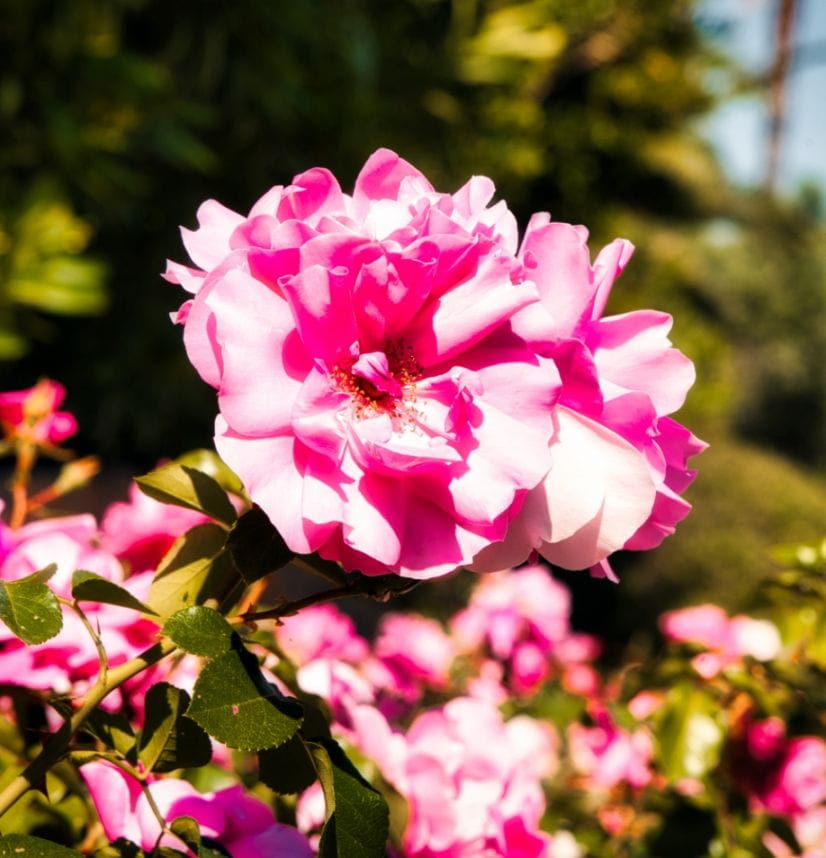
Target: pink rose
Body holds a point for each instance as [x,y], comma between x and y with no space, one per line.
[470,779]
[32,413]
[619,463]
[809,828]
[415,647]
[607,754]
[69,661]
[242,824]
[366,366]
[320,632]
[727,640]
[141,530]
[779,775]
[521,617]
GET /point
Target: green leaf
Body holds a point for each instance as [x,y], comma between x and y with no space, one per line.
[184,486]
[689,736]
[170,740]
[89,587]
[121,848]
[195,569]
[26,846]
[210,463]
[357,823]
[186,828]
[234,703]
[256,546]
[114,730]
[29,608]
[287,769]
[201,631]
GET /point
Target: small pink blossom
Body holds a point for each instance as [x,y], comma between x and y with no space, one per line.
[320,632]
[32,413]
[781,776]
[471,780]
[141,530]
[415,649]
[645,703]
[69,661]
[366,366]
[619,462]
[242,824]
[809,828]
[607,754]
[727,640]
[522,618]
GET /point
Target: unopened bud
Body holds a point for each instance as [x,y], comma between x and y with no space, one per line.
[75,474]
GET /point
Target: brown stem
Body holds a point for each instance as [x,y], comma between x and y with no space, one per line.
[290,608]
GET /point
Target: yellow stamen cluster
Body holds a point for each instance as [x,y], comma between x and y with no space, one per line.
[368,400]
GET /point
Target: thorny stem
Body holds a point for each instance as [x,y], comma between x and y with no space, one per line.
[58,743]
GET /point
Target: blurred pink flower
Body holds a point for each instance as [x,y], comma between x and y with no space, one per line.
[727,640]
[366,367]
[809,828]
[607,754]
[69,661]
[619,463]
[320,632]
[415,650]
[779,775]
[33,413]
[471,780]
[522,618]
[242,824]
[141,530]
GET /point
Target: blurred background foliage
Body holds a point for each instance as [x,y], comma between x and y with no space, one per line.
[120,116]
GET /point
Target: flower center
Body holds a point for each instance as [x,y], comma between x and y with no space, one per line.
[381,382]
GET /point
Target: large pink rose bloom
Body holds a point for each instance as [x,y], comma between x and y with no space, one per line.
[619,462]
[373,397]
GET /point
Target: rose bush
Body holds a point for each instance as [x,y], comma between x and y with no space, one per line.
[404,388]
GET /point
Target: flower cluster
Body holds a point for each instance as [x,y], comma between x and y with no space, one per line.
[428,392]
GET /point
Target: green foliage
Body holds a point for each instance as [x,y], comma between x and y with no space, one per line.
[234,703]
[187,829]
[195,569]
[115,731]
[201,631]
[184,486]
[25,846]
[210,463]
[689,734]
[29,608]
[42,263]
[357,816]
[90,587]
[257,547]
[287,769]
[169,739]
